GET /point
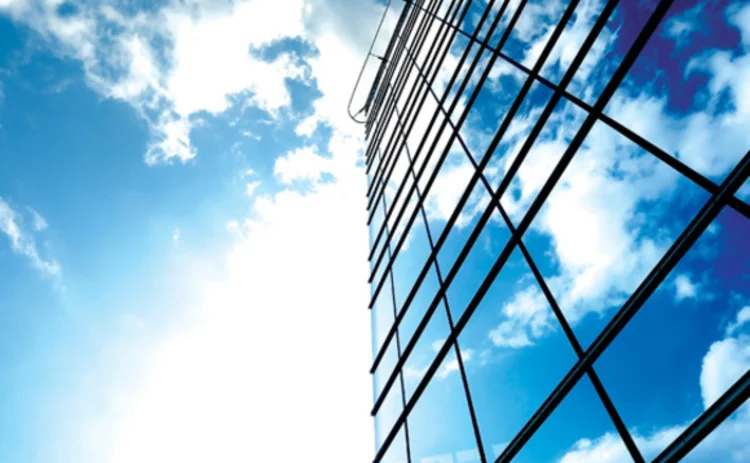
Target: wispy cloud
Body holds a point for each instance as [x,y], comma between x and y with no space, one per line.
[22,240]
[684,287]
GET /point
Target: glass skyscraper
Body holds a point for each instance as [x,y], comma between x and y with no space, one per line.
[560,231]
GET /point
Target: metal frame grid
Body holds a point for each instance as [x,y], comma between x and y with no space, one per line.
[405,81]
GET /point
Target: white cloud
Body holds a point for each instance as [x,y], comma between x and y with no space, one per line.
[37,221]
[684,287]
[743,317]
[452,366]
[449,367]
[725,361]
[508,334]
[681,27]
[302,164]
[251,187]
[22,241]
[176,61]
[527,317]
[176,234]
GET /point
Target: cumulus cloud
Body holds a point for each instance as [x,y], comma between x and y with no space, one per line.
[175,61]
[743,317]
[302,164]
[684,287]
[680,28]
[527,317]
[22,240]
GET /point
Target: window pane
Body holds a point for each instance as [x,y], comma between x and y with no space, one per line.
[440,425]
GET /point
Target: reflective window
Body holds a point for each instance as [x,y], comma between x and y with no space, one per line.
[600,307]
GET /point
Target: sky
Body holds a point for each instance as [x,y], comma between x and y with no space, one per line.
[183,239]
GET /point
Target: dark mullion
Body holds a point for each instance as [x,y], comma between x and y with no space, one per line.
[541,414]
[409,13]
[413,7]
[416,90]
[709,420]
[370,54]
[699,179]
[460,91]
[427,20]
[375,116]
[570,335]
[459,358]
[445,96]
[386,99]
[413,121]
[425,23]
[396,92]
[376,242]
[386,58]
[411,104]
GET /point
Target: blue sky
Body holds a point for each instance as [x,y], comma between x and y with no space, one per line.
[613,214]
[182,232]
[183,244]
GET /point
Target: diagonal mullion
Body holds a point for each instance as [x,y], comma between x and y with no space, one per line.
[398,352]
[374,116]
[431,123]
[678,249]
[598,386]
[426,21]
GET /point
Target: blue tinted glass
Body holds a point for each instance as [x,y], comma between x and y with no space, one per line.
[382,316]
[440,427]
[728,442]
[419,305]
[431,340]
[482,256]
[385,367]
[397,450]
[388,412]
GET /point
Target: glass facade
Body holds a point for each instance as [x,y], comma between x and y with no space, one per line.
[560,232]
